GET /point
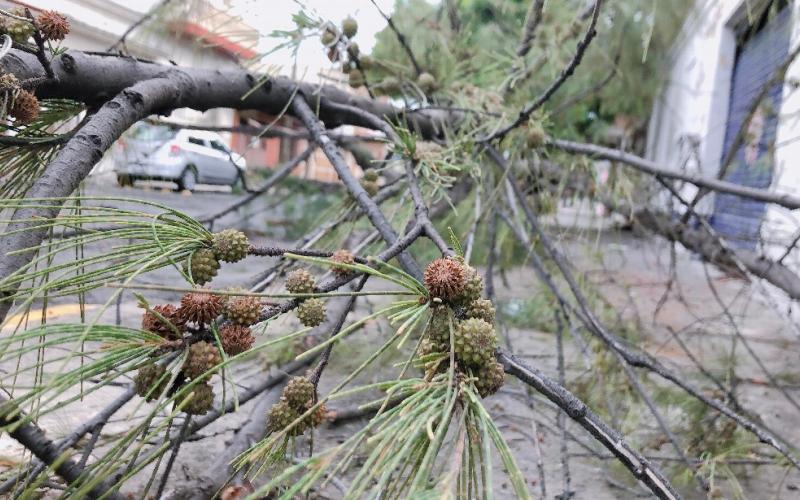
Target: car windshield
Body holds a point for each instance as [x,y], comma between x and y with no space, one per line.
[159,133]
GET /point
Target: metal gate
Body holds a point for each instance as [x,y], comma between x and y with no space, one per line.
[760,53]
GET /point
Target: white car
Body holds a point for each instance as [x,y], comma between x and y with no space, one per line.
[186,157]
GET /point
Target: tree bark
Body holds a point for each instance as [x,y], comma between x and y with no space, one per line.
[77,158]
[33,438]
[93,79]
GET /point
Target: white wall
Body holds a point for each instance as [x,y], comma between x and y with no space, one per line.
[693,105]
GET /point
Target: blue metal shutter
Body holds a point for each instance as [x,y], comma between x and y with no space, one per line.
[738,219]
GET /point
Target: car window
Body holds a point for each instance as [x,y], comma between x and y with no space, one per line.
[199,142]
[159,133]
[219,146]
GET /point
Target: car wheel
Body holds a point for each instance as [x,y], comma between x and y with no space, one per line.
[124,180]
[188,180]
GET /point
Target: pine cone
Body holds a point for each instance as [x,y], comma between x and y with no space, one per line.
[349,27]
[482,309]
[536,136]
[353,50]
[311,312]
[230,245]
[445,278]
[154,324]
[473,286]
[149,383]
[299,392]
[342,257]
[300,281]
[243,311]
[426,82]
[8,81]
[317,417]
[280,416]
[490,378]
[475,342]
[328,38]
[202,400]
[236,339]
[53,25]
[355,78]
[200,308]
[20,31]
[366,62]
[25,108]
[371,187]
[202,266]
[370,174]
[200,358]
[438,330]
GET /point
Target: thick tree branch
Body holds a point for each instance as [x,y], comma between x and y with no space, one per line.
[699,240]
[93,79]
[651,168]
[77,158]
[33,438]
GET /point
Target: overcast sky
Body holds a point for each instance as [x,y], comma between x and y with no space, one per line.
[270,15]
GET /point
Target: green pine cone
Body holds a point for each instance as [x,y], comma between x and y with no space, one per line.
[230,245]
[202,266]
[475,342]
[202,400]
[311,312]
[300,281]
[147,384]
[482,309]
[280,416]
[299,392]
[490,378]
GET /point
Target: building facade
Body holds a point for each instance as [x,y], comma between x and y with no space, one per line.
[724,111]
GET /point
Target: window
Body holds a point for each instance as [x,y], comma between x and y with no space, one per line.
[199,142]
[219,146]
[145,132]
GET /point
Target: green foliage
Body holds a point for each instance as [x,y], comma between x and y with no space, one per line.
[472,65]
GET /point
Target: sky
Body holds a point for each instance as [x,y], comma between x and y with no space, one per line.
[270,15]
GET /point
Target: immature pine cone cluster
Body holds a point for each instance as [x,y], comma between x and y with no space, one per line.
[150,381]
[300,281]
[151,321]
[445,278]
[8,81]
[472,319]
[53,25]
[342,257]
[202,400]
[311,312]
[25,108]
[19,31]
[202,266]
[230,245]
[474,342]
[236,339]
[199,307]
[296,399]
[200,358]
[244,310]
[482,309]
